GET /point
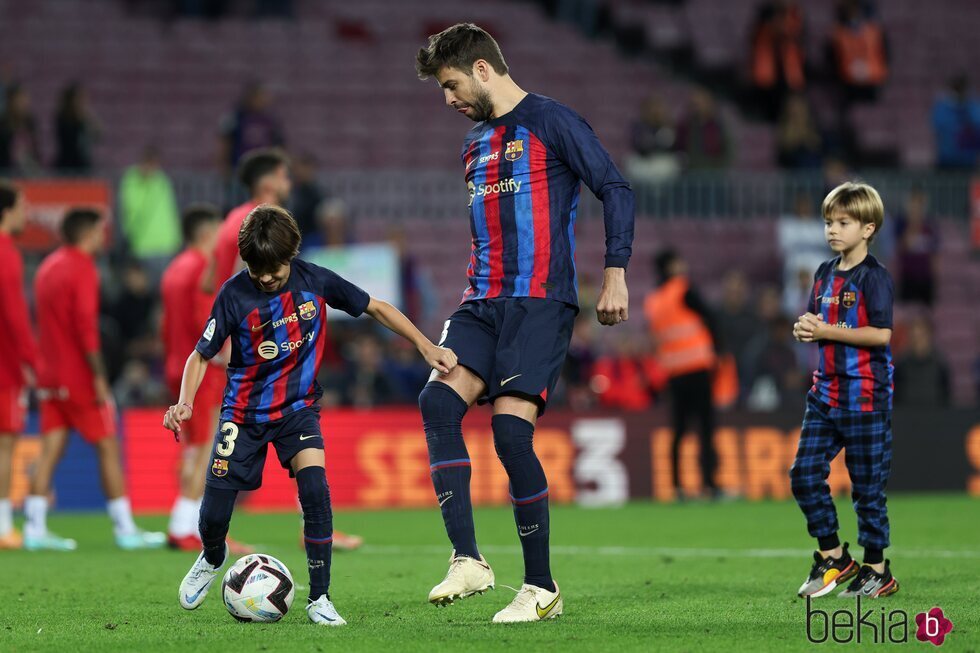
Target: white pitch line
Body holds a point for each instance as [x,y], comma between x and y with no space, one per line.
[678,552]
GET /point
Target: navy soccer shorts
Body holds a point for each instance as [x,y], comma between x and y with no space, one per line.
[516,345]
[238,456]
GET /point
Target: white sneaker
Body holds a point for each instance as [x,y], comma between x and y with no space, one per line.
[531,604]
[49,542]
[466,577]
[322,612]
[194,588]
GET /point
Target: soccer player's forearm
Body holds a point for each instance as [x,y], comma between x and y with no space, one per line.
[861,337]
[618,206]
[194,370]
[394,320]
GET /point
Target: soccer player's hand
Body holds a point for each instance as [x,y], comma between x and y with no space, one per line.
[614,298]
[442,359]
[809,328]
[174,416]
[103,393]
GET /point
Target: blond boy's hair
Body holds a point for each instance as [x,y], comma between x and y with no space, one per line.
[858,200]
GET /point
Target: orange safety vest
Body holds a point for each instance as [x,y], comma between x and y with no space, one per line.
[768,46]
[861,54]
[683,342]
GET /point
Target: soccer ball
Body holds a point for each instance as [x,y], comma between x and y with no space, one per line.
[257,588]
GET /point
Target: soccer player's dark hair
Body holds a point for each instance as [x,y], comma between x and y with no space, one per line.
[77,223]
[195,216]
[269,237]
[256,164]
[661,263]
[459,47]
[8,196]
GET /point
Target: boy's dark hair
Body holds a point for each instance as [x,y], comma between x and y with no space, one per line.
[8,196]
[196,216]
[77,223]
[459,47]
[269,237]
[662,262]
[256,164]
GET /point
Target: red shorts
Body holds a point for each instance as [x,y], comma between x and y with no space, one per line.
[201,427]
[13,410]
[93,421]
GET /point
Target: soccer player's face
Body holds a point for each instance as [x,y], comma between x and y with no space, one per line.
[16,215]
[465,94]
[282,183]
[270,281]
[844,232]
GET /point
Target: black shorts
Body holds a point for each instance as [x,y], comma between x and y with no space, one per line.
[516,345]
[238,455]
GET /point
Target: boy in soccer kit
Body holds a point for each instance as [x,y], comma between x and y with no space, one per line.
[524,162]
[18,352]
[72,384]
[850,403]
[274,311]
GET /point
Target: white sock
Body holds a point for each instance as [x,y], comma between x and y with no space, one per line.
[36,511]
[183,517]
[6,516]
[121,516]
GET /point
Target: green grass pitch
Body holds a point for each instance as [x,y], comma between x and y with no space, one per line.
[646,577]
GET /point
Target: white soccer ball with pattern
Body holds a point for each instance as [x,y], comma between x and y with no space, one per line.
[258,588]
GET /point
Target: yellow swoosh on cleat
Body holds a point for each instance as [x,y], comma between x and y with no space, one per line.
[543,612]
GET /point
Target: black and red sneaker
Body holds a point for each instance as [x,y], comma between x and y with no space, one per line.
[828,574]
[872,585]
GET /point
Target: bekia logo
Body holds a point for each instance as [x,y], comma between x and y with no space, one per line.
[857,625]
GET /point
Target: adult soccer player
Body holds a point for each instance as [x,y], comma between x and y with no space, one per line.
[18,352]
[523,162]
[185,307]
[72,383]
[274,311]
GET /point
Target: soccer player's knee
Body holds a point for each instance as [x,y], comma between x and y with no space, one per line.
[211,523]
[512,437]
[440,405]
[314,494]
[800,482]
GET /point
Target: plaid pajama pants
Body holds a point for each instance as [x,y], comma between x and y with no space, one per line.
[866,438]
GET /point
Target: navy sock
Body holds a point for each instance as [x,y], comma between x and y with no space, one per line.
[513,439]
[449,463]
[314,496]
[213,521]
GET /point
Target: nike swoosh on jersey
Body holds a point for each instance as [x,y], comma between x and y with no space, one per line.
[256,328]
[307,437]
[509,379]
[543,612]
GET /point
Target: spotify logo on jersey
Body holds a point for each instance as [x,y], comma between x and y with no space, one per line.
[268,349]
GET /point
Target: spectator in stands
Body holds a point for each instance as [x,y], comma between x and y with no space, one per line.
[132,313]
[779,381]
[20,154]
[921,373]
[702,138]
[577,373]
[917,249]
[137,386]
[307,193]
[737,324]
[653,139]
[76,130]
[956,123]
[419,298]
[148,213]
[365,383]
[803,248]
[858,51]
[686,340]
[628,377]
[799,142]
[778,55]
[251,125]
[406,371]
[333,228]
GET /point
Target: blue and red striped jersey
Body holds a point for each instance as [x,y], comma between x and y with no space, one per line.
[854,378]
[277,340]
[523,171]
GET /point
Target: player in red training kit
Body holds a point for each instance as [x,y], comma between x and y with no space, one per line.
[72,383]
[18,352]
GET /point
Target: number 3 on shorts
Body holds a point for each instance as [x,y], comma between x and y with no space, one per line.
[227,444]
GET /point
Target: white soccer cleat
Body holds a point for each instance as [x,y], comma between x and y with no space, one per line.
[140,539]
[531,604]
[194,588]
[49,542]
[322,612]
[466,577]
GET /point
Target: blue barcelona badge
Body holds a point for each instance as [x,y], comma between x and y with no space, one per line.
[219,467]
[848,299]
[514,150]
[307,311]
